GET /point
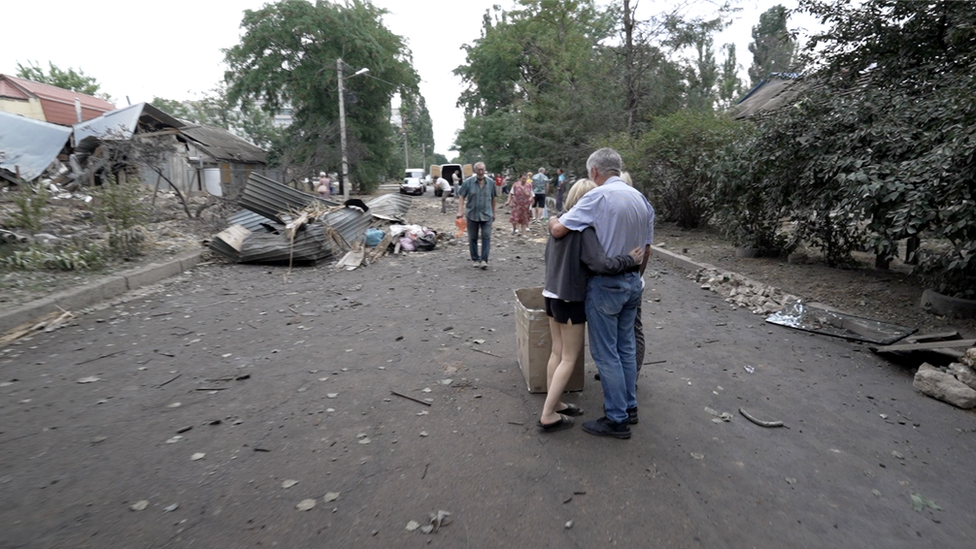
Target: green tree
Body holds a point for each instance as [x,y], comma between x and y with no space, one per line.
[654,82]
[701,72]
[729,83]
[773,48]
[536,85]
[70,79]
[288,56]
[419,129]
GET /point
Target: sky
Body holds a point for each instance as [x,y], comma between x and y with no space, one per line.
[138,50]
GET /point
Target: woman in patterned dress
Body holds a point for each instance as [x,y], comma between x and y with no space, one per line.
[520,200]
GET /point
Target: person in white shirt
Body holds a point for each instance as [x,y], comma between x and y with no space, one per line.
[445,188]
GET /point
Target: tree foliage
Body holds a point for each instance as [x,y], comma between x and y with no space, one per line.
[287,57]
[880,147]
[536,84]
[418,128]
[70,79]
[670,162]
[773,48]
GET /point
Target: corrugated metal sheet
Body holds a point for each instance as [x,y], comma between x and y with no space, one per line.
[348,222]
[267,201]
[272,199]
[249,220]
[310,245]
[223,145]
[29,145]
[122,123]
[392,207]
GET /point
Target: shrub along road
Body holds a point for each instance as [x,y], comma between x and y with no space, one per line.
[202,401]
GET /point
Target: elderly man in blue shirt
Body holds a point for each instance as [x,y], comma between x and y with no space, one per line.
[623,220]
[476,202]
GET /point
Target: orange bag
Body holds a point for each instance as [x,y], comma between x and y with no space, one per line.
[462,226]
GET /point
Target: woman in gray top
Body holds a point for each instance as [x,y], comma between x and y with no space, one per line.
[570,260]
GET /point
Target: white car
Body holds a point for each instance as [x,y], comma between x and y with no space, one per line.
[413,182]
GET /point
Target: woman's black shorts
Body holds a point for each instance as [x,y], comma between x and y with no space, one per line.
[566,312]
[540,200]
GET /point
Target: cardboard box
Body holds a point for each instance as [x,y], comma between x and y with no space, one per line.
[534,342]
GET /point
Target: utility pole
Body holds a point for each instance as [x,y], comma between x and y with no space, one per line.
[406,152]
[344,179]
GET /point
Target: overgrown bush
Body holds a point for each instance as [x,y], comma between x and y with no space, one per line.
[671,163]
[122,208]
[30,204]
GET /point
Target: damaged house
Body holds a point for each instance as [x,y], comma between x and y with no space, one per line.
[48,103]
[201,158]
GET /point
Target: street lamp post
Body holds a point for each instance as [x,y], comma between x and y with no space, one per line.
[344,181]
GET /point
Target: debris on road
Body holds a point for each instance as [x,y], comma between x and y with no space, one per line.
[741,291]
[417,400]
[140,505]
[941,384]
[305,504]
[759,422]
[823,320]
[46,323]
[435,521]
[283,225]
[920,502]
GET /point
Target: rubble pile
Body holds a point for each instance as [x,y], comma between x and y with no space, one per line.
[955,383]
[742,292]
[283,225]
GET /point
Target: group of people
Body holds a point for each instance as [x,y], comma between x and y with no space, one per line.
[595,260]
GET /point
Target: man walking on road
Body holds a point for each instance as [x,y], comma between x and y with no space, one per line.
[476,202]
[560,190]
[623,220]
[540,188]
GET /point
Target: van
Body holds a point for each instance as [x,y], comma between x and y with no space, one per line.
[447,171]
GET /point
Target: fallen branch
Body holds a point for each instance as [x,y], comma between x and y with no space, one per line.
[98,358]
[417,400]
[759,422]
[485,352]
[172,379]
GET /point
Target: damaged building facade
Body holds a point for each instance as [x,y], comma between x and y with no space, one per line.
[99,140]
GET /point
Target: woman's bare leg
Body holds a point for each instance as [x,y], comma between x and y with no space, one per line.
[571,338]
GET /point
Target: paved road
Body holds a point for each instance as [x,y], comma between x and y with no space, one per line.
[287,375]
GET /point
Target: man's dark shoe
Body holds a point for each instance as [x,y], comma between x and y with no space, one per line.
[603,427]
[632,415]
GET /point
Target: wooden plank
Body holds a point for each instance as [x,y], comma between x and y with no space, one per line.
[940,336]
[925,346]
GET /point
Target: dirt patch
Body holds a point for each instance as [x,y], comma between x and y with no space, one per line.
[890,296]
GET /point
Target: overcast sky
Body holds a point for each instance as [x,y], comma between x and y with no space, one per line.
[138,50]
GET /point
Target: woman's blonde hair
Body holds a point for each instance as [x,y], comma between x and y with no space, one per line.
[579,188]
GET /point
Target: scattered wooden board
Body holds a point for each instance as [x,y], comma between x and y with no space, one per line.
[927,346]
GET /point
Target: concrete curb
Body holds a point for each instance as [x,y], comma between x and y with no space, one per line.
[100,290]
[688,264]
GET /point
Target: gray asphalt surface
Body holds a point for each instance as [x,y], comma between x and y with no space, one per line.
[287,375]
